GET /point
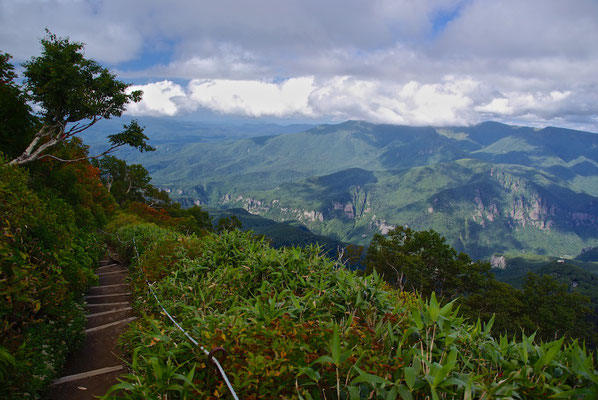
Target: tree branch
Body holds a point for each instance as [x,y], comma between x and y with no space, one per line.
[110,150]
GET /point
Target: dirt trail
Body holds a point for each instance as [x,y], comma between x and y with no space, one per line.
[93,368]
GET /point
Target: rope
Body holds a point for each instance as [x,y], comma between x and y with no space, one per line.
[210,356]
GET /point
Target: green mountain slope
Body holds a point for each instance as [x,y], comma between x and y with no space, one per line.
[280,234]
[481,208]
[588,254]
[488,188]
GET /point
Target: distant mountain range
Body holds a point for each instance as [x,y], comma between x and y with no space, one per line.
[489,188]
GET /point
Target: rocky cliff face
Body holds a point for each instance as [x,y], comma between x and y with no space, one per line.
[273,207]
[527,206]
[493,200]
[499,262]
[526,203]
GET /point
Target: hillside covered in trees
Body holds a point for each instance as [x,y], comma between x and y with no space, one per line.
[422,321]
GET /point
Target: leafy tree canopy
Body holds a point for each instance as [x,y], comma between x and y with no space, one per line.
[73,93]
[228,224]
[555,310]
[17,124]
[422,261]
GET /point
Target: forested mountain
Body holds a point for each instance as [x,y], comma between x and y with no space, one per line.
[489,188]
[172,130]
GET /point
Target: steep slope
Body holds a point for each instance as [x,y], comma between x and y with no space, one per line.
[203,170]
[481,208]
[488,188]
[280,234]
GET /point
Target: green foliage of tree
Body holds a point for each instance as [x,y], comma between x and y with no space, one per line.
[353,255]
[17,123]
[197,221]
[73,93]
[422,261]
[125,182]
[554,310]
[46,264]
[228,224]
[503,302]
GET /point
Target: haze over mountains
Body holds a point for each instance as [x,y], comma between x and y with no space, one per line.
[489,188]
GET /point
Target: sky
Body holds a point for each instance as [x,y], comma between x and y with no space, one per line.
[412,62]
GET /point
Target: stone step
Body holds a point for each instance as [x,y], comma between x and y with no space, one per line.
[108,298]
[102,296]
[112,279]
[108,289]
[107,312]
[111,268]
[96,306]
[106,261]
[108,265]
[103,307]
[89,388]
[87,374]
[98,350]
[110,325]
[120,271]
[107,317]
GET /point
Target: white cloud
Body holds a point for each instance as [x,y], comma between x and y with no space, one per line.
[253,98]
[451,101]
[342,97]
[527,105]
[159,98]
[498,106]
[413,103]
[243,97]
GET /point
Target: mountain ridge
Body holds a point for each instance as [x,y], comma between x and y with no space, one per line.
[524,187]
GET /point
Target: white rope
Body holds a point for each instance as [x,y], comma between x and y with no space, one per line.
[191,339]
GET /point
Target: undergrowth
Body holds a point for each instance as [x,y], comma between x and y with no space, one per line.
[296,325]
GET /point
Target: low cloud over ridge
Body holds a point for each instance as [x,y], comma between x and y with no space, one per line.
[451,101]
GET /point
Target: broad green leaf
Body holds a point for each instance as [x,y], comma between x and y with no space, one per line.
[369,378]
[452,381]
[410,376]
[433,308]
[415,315]
[313,375]
[335,346]
[324,359]
[547,358]
[353,392]
[392,393]
[405,393]
[156,368]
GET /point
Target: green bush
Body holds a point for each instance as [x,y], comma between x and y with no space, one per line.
[297,326]
[46,263]
[144,236]
[43,352]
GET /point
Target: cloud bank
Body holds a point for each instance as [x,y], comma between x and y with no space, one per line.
[399,61]
[451,101]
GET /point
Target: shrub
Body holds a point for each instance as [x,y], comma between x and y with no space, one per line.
[46,263]
[297,326]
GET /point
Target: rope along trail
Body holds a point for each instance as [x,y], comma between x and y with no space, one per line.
[210,355]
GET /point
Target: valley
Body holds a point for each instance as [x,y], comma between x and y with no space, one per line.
[489,189]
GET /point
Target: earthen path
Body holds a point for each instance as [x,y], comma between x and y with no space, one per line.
[93,368]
